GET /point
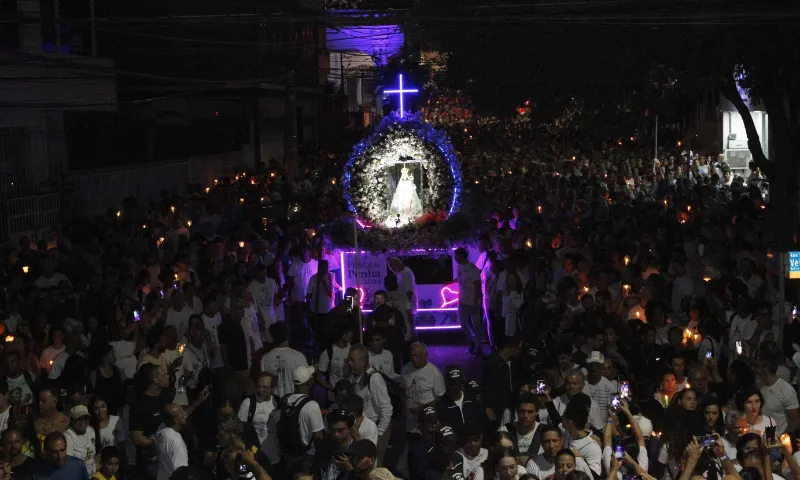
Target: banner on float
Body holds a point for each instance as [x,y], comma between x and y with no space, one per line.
[372,270]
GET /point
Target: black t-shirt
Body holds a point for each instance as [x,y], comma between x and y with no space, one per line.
[231,334]
[146,416]
[25,470]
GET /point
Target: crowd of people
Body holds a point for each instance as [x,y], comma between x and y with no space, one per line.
[625,312]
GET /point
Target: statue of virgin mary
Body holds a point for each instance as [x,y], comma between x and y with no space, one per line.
[405,201]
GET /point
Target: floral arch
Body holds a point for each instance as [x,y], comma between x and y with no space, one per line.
[395,141]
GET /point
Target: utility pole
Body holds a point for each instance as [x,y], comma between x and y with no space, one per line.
[290,126]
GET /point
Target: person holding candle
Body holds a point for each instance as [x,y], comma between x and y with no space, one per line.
[667,389]
[750,401]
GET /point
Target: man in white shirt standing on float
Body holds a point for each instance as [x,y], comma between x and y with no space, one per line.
[406,285]
[172,452]
[469,302]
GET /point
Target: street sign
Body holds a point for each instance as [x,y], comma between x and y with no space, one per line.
[794,265]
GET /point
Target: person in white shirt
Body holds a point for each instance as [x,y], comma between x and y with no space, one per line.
[49,278]
[423,382]
[780,398]
[380,358]
[523,431]
[311,424]
[178,314]
[544,465]
[743,325]
[597,387]
[474,455]
[321,287]
[257,410]
[576,423]
[469,301]
[363,426]
[81,437]
[407,286]
[371,387]
[332,365]
[172,452]
[574,383]
[211,321]
[608,450]
[282,360]
[263,290]
[55,349]
[298,276]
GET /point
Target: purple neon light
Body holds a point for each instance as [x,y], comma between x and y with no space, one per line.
[439,327]
[400,93]
[448,289]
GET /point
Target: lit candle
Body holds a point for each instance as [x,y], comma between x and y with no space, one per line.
[25,269]
[188,223]
[626,290]
[216,181]
[237,177]
[539,209]
[241,244]
[638,314]
[333,181]
[241,201]
[689,208]
[763,207]
[9,338]
[176,277]
[585,289]
[144,226]
[529,243]
[706,278]
[119,213]
[172,209]
[253,181]
[50,364]
[786,440]
[264,221]
[180,348]
[208,189]
[626,260]
[666,400]
[688,385]
[272,174]
[477,182]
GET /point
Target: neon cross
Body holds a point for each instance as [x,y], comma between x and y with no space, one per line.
[400,93]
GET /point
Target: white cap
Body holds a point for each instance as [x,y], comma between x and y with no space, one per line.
[303,374]
[596,357]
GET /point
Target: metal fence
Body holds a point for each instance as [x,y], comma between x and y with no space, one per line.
[93,192]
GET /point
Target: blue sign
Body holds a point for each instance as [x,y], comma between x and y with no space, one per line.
[794,265]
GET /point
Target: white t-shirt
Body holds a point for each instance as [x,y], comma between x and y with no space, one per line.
[82,447]
[337,367]
[301,273]
[310,420]
[4,420]
[742,329]
[383,362]
[265,429]
[592,454]
[471,465]
[179,319]
[126,360]
[407,282]
[282,362]
[779,398]
[368,430]
[110,433]
[45,283]
[194,360]
[601,394]
[25,393]
[760,427]
[172,453]
[211,325]
[423,386]
[524,441]
[324,303]
[264,298]
[544,470]
[49,354]
[468,275]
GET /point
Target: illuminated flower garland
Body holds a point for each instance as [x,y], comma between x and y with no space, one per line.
[364,185]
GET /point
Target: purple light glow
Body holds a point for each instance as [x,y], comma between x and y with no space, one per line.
[439,327]
[381,42]
[400,93]
[448,289]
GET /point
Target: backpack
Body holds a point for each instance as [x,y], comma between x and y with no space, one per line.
[288,428]
[396,393]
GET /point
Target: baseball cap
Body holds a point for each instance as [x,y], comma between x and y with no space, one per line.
[595,357]
[455,376]
[473,386]
[428,415]
[78,411]
[446,434]
[303,374]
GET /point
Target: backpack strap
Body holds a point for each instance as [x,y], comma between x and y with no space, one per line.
[252,410]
